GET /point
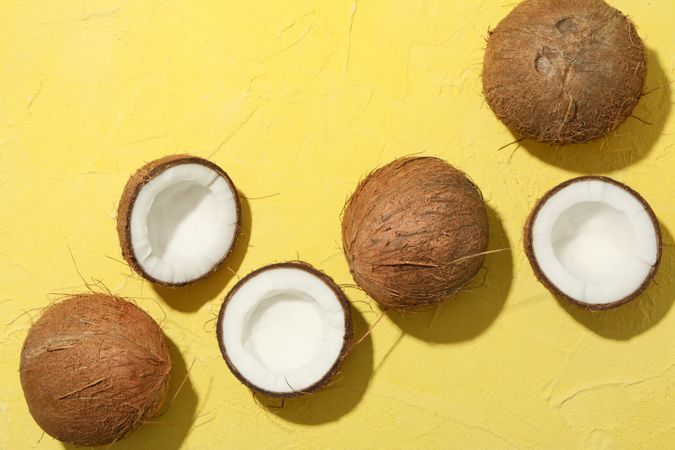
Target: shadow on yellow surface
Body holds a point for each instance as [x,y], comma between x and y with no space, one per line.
[641,314]
[342,394]
[191,298]
[169,430]
[629,144]
[471,312]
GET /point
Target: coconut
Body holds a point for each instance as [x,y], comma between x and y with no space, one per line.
[594,242]
[415,232]
[93,368]
[564,71]
[178,219]
[284,329]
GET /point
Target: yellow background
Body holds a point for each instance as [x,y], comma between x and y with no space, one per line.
[297,100]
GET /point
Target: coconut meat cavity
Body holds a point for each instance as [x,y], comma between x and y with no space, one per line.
[595,241]
[283,329]
[183,223]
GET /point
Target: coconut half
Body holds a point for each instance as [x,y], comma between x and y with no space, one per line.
[284,329]
[594,242]
[178,219]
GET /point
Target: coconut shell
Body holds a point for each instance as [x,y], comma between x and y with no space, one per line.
[346,344]
[415,232]
[126,204]
[93,368]
[541,276]
[564,71]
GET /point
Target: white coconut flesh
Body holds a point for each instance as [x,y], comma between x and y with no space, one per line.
[595,242]
[283,329]
[183,223]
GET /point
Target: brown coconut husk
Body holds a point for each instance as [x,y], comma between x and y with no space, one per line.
[131,190]
[93,368]
[346,344]
[415,232]
[564,71]
[541,276]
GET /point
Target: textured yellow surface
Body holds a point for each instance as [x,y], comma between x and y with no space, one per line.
[298,100]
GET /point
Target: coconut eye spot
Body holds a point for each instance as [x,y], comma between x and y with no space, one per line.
[594,241]
[566,25]
[543,64]
[284,331]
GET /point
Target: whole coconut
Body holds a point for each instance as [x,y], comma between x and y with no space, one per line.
[93,368]
[564,71]
[414,232]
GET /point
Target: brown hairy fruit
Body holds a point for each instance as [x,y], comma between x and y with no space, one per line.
[415,232]
[93,368]
[564,71]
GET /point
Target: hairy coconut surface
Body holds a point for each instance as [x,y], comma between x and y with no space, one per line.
[415,232]
[186,230]
[564,71]
[93,368]
[284,329]
[593,242]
